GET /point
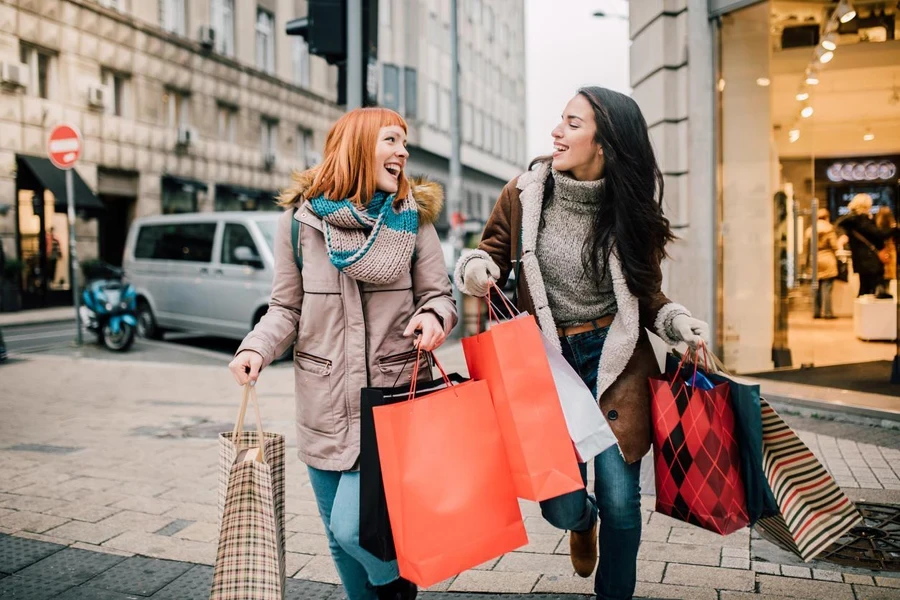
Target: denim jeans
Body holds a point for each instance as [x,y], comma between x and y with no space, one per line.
[823,298]
[337,496]
[617,491]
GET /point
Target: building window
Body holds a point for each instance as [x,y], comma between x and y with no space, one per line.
[180,197]
[306,152]
[468,121]
[445,109]
[114,4]
[489,23]
[117,89]
[178,108]
[411,85]
[300,60]
[488,134]
[222,21]
[268,135]
[390,95]
[265,40]
[479,128]
[433,103]
[173,15]
[227,117]
[41,71]
[385,14]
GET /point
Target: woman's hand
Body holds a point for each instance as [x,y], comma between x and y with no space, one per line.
[245,367]
[691,331]
[429,329]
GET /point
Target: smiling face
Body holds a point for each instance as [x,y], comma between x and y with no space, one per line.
[575,149]
[390,158]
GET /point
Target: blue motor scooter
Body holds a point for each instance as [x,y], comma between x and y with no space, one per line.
[109,307]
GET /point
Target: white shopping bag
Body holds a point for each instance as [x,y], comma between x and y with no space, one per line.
[587,426]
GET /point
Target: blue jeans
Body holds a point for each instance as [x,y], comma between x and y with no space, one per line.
[337,496]
[617,491]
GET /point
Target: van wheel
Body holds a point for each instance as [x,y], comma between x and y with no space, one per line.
[147,327]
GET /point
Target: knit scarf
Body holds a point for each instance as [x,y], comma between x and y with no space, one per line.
[374,244]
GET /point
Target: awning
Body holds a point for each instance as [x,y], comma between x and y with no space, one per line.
[40,172]
[188,185]
[246,192]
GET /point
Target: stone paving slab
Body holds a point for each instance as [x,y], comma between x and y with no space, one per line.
[142,481]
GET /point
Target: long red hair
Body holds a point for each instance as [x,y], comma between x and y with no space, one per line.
[348,168]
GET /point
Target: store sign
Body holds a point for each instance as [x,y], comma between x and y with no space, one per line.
[864,170]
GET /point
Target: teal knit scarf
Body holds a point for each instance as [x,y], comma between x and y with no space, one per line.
[374,244]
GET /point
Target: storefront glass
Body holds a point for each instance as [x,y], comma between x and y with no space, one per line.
[44,244]
[808,120]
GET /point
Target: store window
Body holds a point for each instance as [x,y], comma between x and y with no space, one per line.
[802,133]
[44,244]
[179,196]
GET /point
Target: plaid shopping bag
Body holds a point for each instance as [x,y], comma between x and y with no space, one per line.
[696,457]
[815,513]
[250,561]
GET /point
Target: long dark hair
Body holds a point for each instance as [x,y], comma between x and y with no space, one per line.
[631,212]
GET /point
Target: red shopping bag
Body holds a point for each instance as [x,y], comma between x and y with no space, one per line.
[449,492]
[511,358]
[696,457]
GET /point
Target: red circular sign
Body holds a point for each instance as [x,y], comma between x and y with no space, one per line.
[64,146]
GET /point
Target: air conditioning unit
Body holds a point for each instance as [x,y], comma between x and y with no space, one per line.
[96,96]
[269,160]
[185,136]
[13,74]
[207,37]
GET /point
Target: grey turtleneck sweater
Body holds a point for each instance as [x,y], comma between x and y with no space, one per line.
[574,295]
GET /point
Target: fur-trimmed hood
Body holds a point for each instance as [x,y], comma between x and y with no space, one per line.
[428,195]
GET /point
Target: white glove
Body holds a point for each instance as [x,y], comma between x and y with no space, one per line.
[478,275]
[690,330]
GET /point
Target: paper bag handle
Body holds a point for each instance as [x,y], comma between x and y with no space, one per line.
[249,392]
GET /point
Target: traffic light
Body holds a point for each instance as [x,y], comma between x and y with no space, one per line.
[325,30]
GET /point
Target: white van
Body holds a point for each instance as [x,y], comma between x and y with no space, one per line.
[204,272]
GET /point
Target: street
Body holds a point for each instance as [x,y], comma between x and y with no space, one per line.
[58,338]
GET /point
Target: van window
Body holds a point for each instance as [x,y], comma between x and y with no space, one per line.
[236,236]
[177,241]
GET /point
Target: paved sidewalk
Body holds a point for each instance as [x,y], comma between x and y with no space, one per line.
[39,315]
[119,457]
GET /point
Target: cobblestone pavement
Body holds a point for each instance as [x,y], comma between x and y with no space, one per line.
[113,462]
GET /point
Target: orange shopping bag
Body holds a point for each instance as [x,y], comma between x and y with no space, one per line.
[511,358]
[450,497]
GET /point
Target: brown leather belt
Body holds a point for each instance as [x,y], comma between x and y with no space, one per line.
[589,326]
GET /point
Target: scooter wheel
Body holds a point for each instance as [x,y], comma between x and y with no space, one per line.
[121,341]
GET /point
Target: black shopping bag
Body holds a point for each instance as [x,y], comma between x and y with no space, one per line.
[374,525]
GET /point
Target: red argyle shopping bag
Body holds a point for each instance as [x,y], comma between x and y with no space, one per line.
[696,457]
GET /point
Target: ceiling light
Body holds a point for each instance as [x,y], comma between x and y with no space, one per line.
[807,111]
[794,135]
[829,42]
[824,56]
[763,82]
[868,136]
[721,85]
[802,95]
[812,78]
[845,12]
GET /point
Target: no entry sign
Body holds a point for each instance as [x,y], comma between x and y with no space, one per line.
[64,146]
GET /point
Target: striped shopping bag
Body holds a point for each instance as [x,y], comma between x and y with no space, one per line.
[251,552]
[815,513]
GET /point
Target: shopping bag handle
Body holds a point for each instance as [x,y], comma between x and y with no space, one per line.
[249,392]
[493,309]
[415,374]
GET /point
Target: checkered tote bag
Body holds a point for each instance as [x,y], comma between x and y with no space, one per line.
[250,558]
[815,513]
[695,451]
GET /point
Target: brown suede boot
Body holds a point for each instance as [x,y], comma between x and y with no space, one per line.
[583,551]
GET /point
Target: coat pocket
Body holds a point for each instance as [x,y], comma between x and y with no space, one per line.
[397,369]
[315,409]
